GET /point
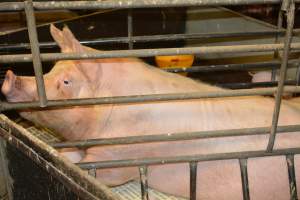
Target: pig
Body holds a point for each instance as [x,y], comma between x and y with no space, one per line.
[68,79]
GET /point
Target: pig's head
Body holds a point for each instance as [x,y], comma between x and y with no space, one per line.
[66,80]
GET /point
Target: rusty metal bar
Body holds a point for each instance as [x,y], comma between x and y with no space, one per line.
[146,98]
[37,64]
[288,39]
[144,182]
[186,158]
[130,4]
[173,137]
[244,176]
[193,180]
[136,39]
[148,52]
[292,178]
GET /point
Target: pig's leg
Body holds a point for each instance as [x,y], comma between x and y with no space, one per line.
[297,173]
[73,154]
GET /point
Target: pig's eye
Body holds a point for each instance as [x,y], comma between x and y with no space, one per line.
[66,82]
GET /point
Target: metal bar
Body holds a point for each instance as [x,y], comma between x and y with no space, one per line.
[193,180]
[144,182]
[146,98]
[244,176]
[283,69]
[279,27]
[229,67]
[93,173]
[71,176]
[129,29]
[148,52]
[130,4]
[253,85]
[292,178]
[136,39]
[186,158]
[37,64]
[173,137]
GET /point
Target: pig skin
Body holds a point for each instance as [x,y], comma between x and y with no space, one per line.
[268,177]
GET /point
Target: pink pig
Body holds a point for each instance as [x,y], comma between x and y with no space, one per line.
[268,177]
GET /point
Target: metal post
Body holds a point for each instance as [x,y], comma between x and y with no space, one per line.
[193,180]
[244,176]
[144,182]
[129,29]
[290,10]
[292,178]
[34,44]
[279,27]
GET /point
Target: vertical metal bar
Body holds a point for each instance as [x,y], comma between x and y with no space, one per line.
[244,176]
[144,182]
[298,74]
[276,52]
[34,44]
[92,172]
[283,69]
[292,178]
[193,180]
[129,28]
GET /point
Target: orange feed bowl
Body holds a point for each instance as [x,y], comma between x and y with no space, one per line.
[174,61]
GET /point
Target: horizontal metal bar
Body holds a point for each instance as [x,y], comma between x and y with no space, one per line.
[253,85]
[186,158]
[174,137]
[148,52]
[293,63]
[146,98]
[130,4]
[152,38]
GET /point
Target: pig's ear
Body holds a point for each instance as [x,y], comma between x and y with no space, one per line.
[65,40]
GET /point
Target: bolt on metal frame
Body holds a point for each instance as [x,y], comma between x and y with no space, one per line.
[288,8]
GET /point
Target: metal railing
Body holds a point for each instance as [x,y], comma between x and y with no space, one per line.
[287,8]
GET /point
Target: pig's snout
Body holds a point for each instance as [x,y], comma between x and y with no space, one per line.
[9,83]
